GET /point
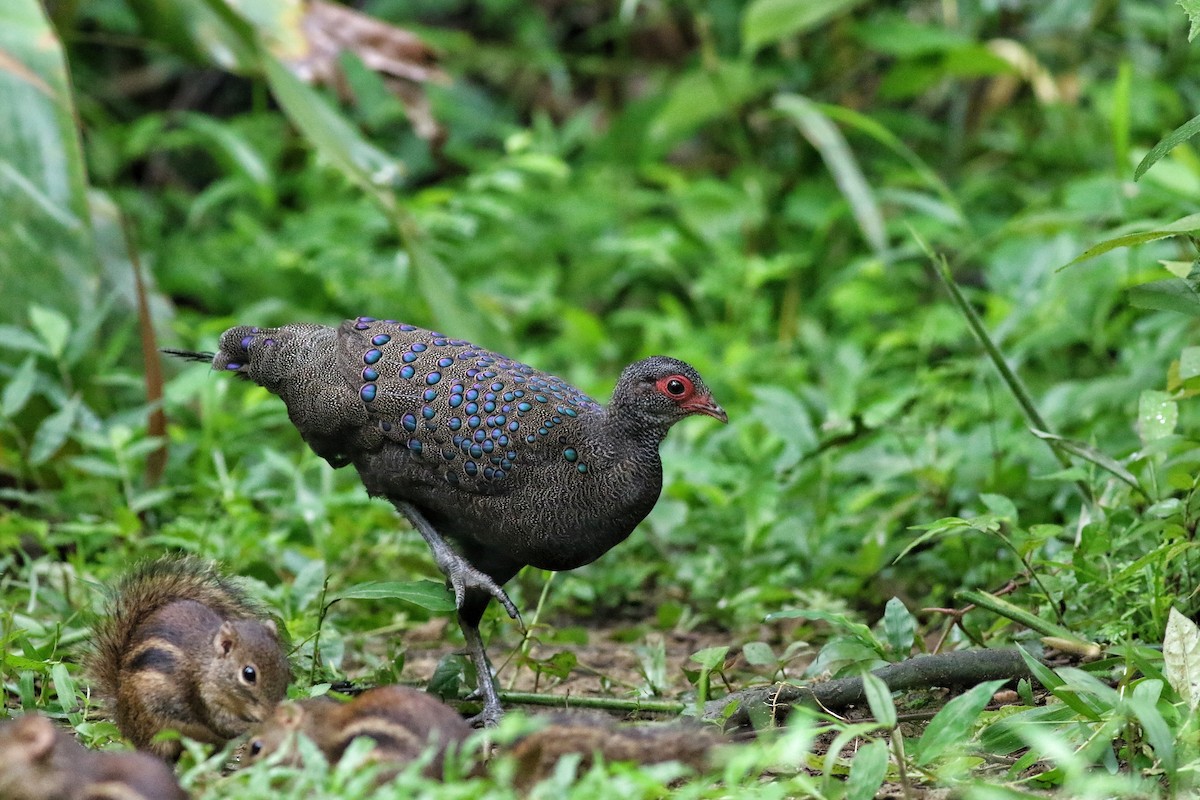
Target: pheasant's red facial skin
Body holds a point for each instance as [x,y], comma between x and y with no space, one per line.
[677,387]
[681,390]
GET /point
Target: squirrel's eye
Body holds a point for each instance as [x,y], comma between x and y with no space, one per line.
[249,674]
[256,747]
[676,387]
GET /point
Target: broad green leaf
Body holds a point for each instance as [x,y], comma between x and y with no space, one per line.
[1189,363]
[710,658]
[1181,658]
[950,726]
[52,327]
[899,626]
[759,654]
[867,771]
[1144,704]
[1192,9]
[333,136]
[703,95]
[838,157]
[1158,413]
[45,244]
[426,594]
[64,687]
[1169,294]
[19,388]
[1122,90]
[767,21]
[879,698]
[53,432]
[1188,224]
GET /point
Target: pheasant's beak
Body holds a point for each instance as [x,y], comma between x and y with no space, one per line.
[707,406]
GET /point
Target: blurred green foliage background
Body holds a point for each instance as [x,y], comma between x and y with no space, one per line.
[756,188]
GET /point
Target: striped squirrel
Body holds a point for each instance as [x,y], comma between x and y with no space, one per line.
[183,648]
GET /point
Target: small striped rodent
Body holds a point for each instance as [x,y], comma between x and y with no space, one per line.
[38,761]
[403,722]
[183,648]
[537,753]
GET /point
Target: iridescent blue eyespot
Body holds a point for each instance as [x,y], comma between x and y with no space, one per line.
[414,445]
[473,394]
[512,426]
[418,347]
[454,424]
[581,467]
[473,421]
[433,378]
[543,431]
[497,386]
[445,362]
[455,400]
[366,319]
[430,395]
[480,435]
[489,446]
[472,408]
[471,468]
[448,454]
[368,392]
[428,413]
[408,328]
[531,438]
[385,425]
[409,358]
[489,406]
[476,451]
[523,407]
[371,356]
[541,398]
[407,372]
[381,339]
[370,373]
[570,412]
[409,422]
[232,366]
[570,454]
[362,326]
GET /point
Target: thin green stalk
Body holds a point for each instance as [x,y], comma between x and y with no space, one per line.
[1017,614]
[604,703]
[942,270]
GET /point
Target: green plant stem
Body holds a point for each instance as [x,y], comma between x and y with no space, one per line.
[604,703]
[1008,610]
[942,270]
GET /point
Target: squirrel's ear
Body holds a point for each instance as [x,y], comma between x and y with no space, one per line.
[37,735]
[224,640]
[290,715]
[270,626]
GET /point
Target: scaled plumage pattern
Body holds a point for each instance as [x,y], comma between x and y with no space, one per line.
[513,465]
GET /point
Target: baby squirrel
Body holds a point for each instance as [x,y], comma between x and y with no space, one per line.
[183,648]
[38,761]
[403,722]
[537,753]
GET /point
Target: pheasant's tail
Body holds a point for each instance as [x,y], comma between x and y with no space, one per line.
[191,355]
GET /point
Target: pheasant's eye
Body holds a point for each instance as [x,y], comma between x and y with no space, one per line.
[249,674]
[677,387]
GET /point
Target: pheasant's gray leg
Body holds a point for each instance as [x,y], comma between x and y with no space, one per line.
[462,576]
[489,717]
